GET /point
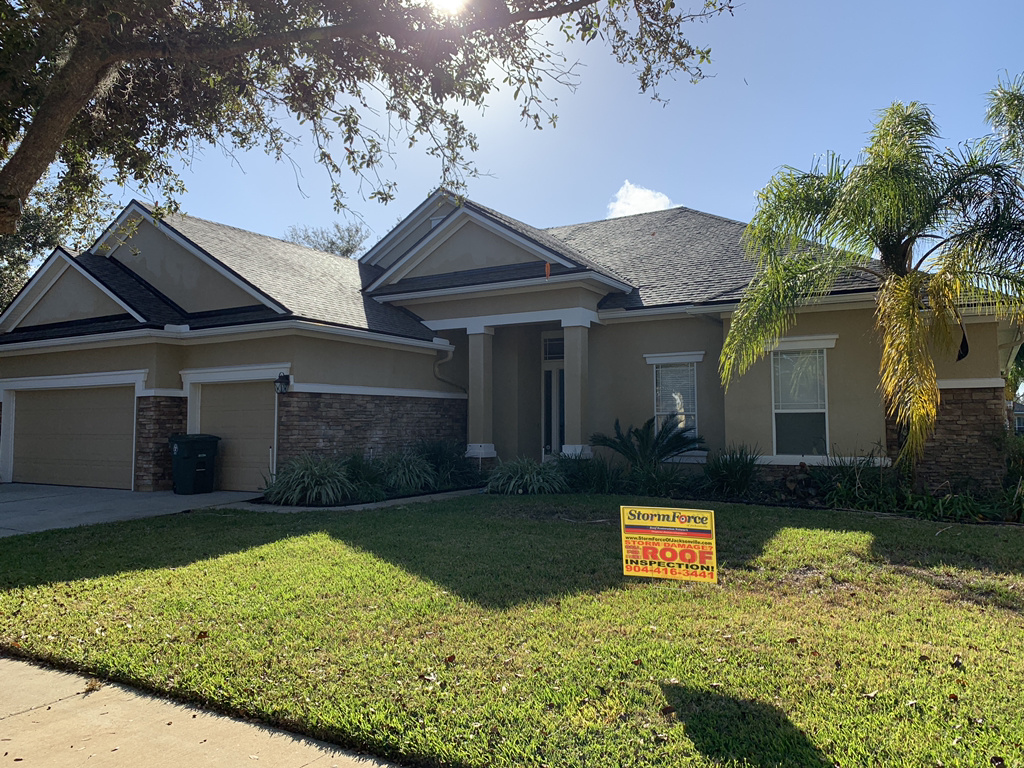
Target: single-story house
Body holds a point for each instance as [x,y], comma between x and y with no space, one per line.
[460,323]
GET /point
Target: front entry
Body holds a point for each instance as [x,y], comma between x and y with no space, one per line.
[553,392]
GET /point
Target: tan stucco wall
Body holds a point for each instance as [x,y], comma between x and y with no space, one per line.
[856,417]
[535,300]
[71,297]
[622,382]
[398,248]
[73,361]
[983,360]
[313,360]
[176,273]
[470,247]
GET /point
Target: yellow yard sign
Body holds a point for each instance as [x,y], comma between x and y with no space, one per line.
[669,543]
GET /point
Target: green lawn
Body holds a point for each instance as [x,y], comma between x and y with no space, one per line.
[500,632]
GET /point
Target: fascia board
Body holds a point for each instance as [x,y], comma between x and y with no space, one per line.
[413,220]
[208,259]
[209,335]
[458,219]
[503,287]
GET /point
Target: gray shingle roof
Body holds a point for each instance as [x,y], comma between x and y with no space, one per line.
[675,257]
[310,284]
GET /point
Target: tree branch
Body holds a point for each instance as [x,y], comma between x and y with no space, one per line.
[207,51]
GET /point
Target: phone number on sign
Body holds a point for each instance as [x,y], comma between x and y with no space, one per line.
[704,572]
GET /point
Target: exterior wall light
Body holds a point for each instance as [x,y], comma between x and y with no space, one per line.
[282,382]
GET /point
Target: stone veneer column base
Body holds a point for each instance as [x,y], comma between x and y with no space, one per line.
[156,419]
[329,423]
[966,452]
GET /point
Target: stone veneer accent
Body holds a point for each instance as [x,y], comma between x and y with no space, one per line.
[312,422]
[156,419]
[966,450]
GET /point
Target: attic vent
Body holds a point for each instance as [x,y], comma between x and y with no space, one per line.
[554,348]
[435,220]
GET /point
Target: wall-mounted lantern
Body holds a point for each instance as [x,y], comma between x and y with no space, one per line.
[282,382]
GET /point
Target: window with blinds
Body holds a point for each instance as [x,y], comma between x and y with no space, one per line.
[675,393]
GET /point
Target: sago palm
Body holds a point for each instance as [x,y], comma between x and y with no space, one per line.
[940,230]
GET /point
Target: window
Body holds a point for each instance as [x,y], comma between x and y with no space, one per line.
[675,393]
[799,400]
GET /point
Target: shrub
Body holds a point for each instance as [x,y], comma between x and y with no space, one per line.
[645,449]
[407,472]
[593,475]
[733,472]
[526,475]
[860,483]
[451,466]
[311,480]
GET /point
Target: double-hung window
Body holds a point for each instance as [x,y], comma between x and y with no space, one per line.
[675,388]
[800,402]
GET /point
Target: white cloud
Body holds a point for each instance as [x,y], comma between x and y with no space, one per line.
[632,199]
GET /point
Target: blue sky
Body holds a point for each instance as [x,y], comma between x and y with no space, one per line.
[791,79]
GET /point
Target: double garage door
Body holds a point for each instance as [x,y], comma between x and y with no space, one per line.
[86,436]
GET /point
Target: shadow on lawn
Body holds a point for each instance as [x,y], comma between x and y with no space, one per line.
[747,731]
[501,552]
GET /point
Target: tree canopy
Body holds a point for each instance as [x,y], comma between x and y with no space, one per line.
[941,231]
[342,239]
[99,89]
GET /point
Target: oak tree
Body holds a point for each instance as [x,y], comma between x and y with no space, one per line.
[121,89]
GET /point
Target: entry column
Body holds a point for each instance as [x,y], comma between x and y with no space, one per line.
[480,436]
[576,386]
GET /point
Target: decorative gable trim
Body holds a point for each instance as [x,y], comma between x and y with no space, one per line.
[45,277]
[136,208]
[448,227]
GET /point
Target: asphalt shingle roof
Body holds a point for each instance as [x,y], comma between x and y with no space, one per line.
[674,257]
[311,284]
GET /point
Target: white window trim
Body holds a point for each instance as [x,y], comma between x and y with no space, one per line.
[818,461]
[800,343]
[828,439]
[675,357]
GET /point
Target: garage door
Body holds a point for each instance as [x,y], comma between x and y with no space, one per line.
[75,436]
[242,415]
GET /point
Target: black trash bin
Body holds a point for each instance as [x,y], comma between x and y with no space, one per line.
[192,462]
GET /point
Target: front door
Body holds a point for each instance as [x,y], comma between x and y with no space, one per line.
[553,390]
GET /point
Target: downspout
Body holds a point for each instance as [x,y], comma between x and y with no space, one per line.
[437,373]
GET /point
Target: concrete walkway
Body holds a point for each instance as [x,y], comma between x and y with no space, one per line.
[56,719]
[27,508]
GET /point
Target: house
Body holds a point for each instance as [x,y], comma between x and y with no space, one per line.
[460,323]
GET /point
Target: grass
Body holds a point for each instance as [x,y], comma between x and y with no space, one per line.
[499,632]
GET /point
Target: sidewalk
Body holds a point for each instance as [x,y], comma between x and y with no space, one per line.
[56,719]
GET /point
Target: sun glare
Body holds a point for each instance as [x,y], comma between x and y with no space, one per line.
[450,7]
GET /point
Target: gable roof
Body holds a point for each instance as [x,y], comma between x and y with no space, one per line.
[309,284]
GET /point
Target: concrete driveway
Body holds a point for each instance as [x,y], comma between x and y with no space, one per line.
[28,508]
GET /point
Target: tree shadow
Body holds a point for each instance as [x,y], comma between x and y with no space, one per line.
[744,731]
[501,552]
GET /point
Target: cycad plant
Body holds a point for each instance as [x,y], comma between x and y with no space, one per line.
[940,231]
[646,448]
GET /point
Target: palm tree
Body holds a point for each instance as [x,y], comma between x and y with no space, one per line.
[940,230]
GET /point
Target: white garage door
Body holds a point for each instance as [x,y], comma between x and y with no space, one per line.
[242,416]
[75,436]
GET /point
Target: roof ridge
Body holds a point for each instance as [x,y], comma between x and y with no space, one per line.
[649,213]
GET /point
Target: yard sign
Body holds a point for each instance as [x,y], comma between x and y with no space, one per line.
[665,543]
